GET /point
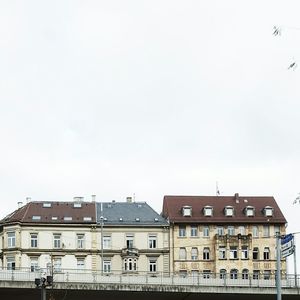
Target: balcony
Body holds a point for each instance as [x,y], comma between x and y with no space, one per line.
[129,252]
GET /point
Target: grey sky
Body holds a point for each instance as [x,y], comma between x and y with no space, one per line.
[149,97]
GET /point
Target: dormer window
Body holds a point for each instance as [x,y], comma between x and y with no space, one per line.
[77,205]
[229,210]
[249,211]
[268,211]
[208,211]
[187,211]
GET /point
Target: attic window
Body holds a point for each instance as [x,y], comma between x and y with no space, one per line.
[208,211]
[54,218]
[77,205]
[121,219]
[229,210]
[137,219]
[86,219]
[67,218]
[36,218]
[46,204]
[249,211]
[155,219]
[187,211]
[268,211]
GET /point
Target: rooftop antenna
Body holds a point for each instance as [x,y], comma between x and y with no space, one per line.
[297,200]
[217,189]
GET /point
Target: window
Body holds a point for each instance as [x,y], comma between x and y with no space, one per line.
[11,239]
[195,273]
[233,274]
[33,240]
[249,211]
[107,242]
[266,231]
[255,231]
[206,253]
[229,211]
[194,254]
[245,252]
[266,253]
[233,252]
[182,253]
[276,229]
[255,253]
[183,273]
[206,231]
[230,230]
[80,263]
[267,274]
[57,264]
[222,252]
[34,265]
[80,241]
[242,230]
[223,274]
[36,218]
[208,211]
[46,205]
[268,211]
[194,230]
[220,230]
[129,241]
[255,274]
[87,219]
[57,240]
[152,241]
[107,266]
[182,230]
[206,274]
[77,205]
[186,211]
[130,264]
[10,263]
[152,264]
[245,274]
[67,218]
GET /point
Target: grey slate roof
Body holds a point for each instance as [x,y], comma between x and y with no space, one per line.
[129,213]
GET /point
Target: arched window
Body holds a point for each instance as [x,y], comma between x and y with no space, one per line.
[266,253]
[206,253]
[130,264]
[194,254]
[233,274]
[255,253]
[245,274]
[223,274]
[182,253]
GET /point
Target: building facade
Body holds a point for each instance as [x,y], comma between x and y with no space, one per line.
[233,237]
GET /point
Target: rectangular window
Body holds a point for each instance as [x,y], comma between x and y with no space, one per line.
[266,231]
[206,274]
[220,230]
[222,252]
[267,274]
[182,253]
[129,241]
[255,232]
[276,229]
[230,230]
[33,240]
[34,265]
[255,253]
[80,241]
[152,241]
[205,231]
[152,264]
[11,239]
[233,254]
[194,254]
[57,240]
[107,242]
[242,230]
[10,263]
[80,263]
[57,264]
[245,252]
[255,274]
[107,266]
[182,230]
[194,231]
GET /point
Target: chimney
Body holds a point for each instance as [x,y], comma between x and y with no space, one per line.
[93,198]
[128,199]
[236,198]
[28,199]
[20,204]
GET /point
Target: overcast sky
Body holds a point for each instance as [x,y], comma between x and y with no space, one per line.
[116,98]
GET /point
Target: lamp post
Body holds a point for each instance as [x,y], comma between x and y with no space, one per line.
[42,283]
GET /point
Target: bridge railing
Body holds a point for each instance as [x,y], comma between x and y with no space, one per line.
[146,278]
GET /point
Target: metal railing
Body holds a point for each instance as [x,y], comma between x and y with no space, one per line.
[146,278]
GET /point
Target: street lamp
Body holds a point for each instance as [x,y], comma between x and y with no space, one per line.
[42,283]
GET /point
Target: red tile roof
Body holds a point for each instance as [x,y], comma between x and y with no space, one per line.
[172,209]
[57,209]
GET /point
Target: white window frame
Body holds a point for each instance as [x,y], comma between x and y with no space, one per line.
[233,252]
[220,230]
[129,241]
[206,253]
[194,230]
[11,262]
[11,239]
[208,211]
[255,231]
[57,241]
[152,241]
[182,231]
[152,264]
[266,231]
[245,252]
[107,241]
[194,253]
[80,240]
[222,252]
[57,264]
[206,231]
[182,253]
[80,263]
[107,266]
[231,230]
[34,264]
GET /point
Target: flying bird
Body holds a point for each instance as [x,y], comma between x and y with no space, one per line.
[276,31]
[293,65]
